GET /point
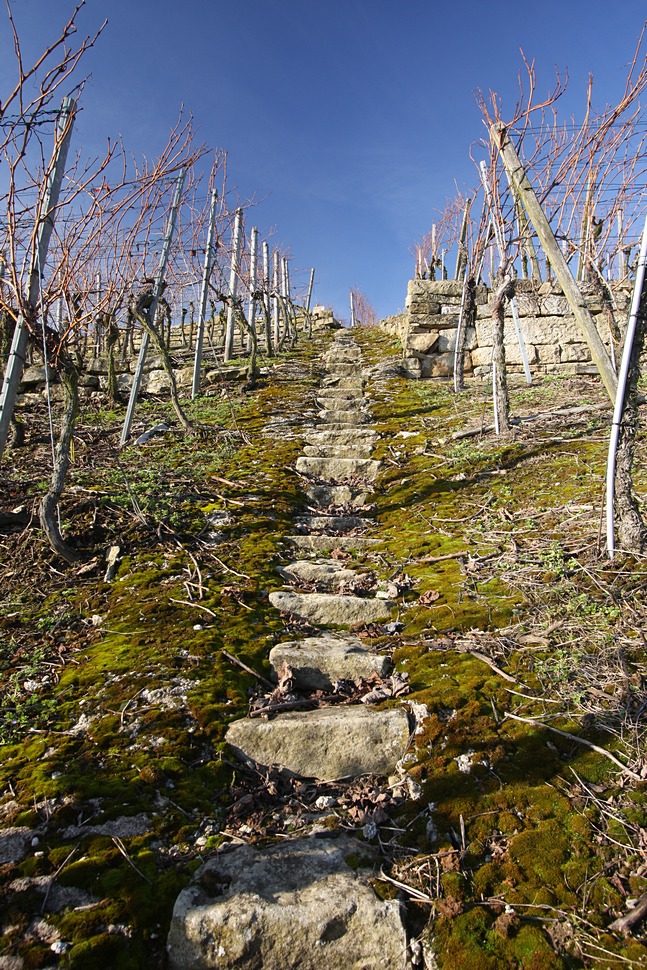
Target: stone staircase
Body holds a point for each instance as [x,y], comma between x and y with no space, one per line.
[302,908]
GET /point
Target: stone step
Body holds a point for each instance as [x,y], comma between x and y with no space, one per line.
[330,609]
[327,744]
[295,904]
[335,495]
[337,524]
[346,383]
[335,470]
[342,369]
[318,662]
[344,418]
[328,573]
[339,403]
[328,450]
[343,352]
[325,543]
[352,436]
[341,394]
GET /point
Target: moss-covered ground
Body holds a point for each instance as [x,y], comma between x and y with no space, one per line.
[522,846]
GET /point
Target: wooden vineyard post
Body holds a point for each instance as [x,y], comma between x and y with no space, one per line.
[500,242]
[233,285]
[158,288]
[352,309]
[18,350]
[204,292]
[564,276]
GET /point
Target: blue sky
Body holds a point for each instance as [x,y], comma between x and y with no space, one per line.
[350,119]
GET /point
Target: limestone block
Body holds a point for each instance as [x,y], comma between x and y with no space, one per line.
[319,662]
[550,287]
[338,469]
[332,495]
[36,375]
[156,382]
[361,449]
[575,352]
[14,844]
[332,523]
[351,437]
[553,305]
[327,743]
[552,330]
[323,543]
[482,355]
[89,380]
[446,341]
[329,574]
[438,365]
[527,305]
[410,367]
[349,395]
[184,376]
[524,286]
[440,321]
[350,418]
[294,905]
[422,342]
[480,295]
[341,368]
[548,353]
[330,609]
[354,382]
[439,288]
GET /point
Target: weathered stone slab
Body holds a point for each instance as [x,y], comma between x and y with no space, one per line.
[341,403]
[318,662]
[354,383]
[329,743]
[333,523]
[14,844]
[318,436]
[324,543]
[342,368]
[343,418]
[332,495]
[422,342]
[329,573]
[359,450]
[329,609]
[293,905]
[339,469]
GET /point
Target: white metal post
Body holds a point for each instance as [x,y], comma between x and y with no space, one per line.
[310,285]
[275,286]
[266,297]
[204,293]
[233,285]
[158,287]
[253,256]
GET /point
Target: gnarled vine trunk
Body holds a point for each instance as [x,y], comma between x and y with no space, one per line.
[632,532]
[504,290]
[48,505]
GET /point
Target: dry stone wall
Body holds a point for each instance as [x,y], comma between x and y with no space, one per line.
[553,340]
